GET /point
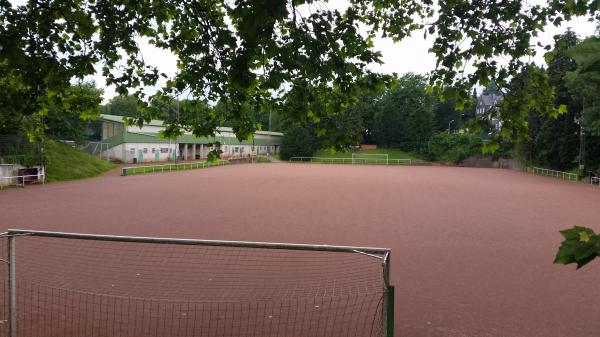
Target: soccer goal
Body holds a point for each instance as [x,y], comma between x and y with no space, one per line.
[69,284]
[360,158]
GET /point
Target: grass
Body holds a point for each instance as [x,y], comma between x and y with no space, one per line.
[261,159]
[392,154]
[64,162]
[171,167]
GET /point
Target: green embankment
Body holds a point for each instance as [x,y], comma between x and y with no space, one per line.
[64,162]
[392,154]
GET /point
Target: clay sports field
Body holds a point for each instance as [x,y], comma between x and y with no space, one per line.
[472,249]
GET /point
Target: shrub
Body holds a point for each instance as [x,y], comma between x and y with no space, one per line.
[453,148]
[297,142]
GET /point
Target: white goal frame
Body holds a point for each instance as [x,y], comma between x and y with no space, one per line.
[359,158]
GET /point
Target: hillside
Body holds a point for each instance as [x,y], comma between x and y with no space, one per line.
[67,163]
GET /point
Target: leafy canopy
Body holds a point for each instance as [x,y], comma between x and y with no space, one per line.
[258,53]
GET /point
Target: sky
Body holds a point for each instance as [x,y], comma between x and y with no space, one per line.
[409,55]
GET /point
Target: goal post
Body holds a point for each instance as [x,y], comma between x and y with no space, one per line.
[360,158]
[69,284]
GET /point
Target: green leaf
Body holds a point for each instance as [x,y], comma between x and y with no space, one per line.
[581,246]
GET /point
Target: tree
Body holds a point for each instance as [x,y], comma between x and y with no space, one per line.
[552,140]
[70,120]
[298,141]
[260,52]
[121,105]
[405,118]
[11,116]
[447,118]
[581,245]
[584,84]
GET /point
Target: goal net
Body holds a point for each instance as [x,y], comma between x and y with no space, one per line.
[65,284]
[359,158]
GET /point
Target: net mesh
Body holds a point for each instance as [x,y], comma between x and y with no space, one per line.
[68,287]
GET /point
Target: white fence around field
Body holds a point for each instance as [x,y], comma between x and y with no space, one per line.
[171,167]
[553,173]
[595,181]
[21,180]
[360,161]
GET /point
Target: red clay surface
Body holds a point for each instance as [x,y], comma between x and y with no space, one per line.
[472,249]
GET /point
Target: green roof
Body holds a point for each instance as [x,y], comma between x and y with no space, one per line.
[157,122]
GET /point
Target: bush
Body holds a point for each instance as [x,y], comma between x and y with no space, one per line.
[297,142]
[453,148]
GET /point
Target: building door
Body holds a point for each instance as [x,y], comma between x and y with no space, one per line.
[140,156]
[157,155]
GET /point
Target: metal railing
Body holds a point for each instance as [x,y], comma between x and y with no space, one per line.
[362,161]
[21,180]
[595,181]
[130,170]
[553,173]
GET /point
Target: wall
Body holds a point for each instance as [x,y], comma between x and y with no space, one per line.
[486,161]
[110,129]
[8,170]
[243,150]
[128,151]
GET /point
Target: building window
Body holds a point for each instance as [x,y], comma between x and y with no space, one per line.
[153,150]
[164,150]
[132,151]
[145,150]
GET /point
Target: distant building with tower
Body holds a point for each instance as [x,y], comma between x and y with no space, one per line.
[133,144]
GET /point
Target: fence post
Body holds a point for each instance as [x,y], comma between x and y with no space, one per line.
[12,288]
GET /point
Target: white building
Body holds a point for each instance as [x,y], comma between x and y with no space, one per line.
[132,144]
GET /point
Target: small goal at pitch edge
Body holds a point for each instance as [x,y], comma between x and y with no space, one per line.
[359,158]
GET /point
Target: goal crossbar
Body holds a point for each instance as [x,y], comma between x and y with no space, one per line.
[197,242]
[359,155]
